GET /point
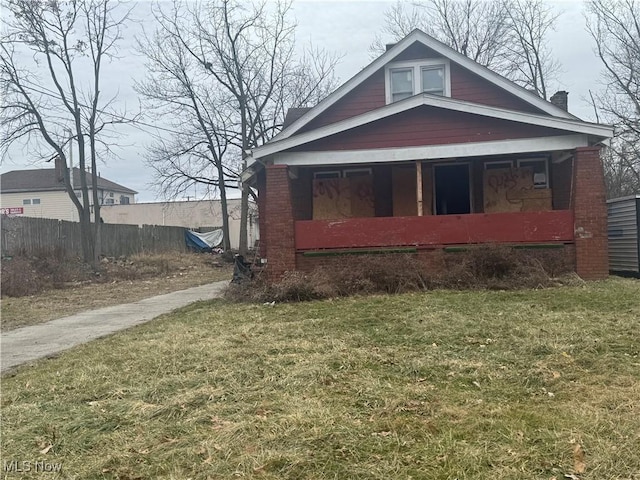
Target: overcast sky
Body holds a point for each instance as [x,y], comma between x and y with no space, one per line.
[344,27]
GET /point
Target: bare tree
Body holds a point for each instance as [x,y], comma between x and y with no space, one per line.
[507,36]
[178,88]
[247,56]
[529,61]
[69,39]
[615,28]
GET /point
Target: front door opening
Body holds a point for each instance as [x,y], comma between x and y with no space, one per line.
[451,189]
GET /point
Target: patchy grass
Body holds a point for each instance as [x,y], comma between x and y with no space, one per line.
[121,281]
[533,384]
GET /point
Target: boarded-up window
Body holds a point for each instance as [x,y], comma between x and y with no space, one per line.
[513,190]
[335,198]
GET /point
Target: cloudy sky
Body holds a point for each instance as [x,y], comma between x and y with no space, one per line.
[344,27]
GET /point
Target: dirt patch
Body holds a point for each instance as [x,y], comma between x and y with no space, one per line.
[120,280]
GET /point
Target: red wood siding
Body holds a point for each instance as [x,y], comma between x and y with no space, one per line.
[524,227]
[466,85]
[366,97]
[427,126]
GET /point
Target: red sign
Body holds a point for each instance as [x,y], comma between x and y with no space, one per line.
[12,211]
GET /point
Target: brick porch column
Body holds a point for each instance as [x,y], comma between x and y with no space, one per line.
[262,202]
[590,214]
[281,253]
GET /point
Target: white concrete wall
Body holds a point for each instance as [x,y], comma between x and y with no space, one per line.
[191,214]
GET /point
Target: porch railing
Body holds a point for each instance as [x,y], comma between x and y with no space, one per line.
[435,230]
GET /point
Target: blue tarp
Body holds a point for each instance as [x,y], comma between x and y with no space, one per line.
[203,242]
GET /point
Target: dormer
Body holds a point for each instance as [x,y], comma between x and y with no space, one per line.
[408,78]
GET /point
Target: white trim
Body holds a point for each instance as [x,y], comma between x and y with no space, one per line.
[405,154]
[442,49]
[577,126]
[417,66]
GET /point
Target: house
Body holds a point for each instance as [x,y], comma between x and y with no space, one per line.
[39,193]
[424,150]
[201,215]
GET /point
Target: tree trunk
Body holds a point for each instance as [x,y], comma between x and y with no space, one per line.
[244,216]
[226,240]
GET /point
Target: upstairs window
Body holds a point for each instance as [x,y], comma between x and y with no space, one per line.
[405,79]
[433,80]
[401,83]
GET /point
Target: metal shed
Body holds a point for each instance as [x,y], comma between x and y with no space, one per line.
[624,238]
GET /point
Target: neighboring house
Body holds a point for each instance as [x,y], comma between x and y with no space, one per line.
[39,193]
[426,149]
[203,215]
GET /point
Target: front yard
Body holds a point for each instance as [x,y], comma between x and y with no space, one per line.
[535,384]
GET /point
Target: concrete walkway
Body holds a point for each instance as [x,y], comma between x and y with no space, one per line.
[26,344]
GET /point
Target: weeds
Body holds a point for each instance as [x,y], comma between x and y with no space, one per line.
[484,267]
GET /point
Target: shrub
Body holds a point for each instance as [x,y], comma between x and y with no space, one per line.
[490,267]
[29,274]
[20,278]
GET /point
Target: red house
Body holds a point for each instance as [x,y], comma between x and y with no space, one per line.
[424,150]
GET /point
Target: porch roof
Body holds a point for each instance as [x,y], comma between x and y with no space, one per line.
[432,152]
[425,99]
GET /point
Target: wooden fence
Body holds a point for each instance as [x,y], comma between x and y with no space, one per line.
[35,235]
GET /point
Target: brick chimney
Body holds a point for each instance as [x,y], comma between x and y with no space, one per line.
[561,99]
[389,46]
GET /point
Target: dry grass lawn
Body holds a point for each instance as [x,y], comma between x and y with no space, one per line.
[536,384]
[136,278]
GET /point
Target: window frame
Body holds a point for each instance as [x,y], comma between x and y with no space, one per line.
[26,201]
[507,163]
[411,93]
[354,172]
[343,173]
[418,66]
[326,174]
[35,201]
[546,169]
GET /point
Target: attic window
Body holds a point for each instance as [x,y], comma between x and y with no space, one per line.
[401,83]
[433,80]
[405,79]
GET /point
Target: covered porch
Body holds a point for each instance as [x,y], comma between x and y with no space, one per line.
[314,208]
[518,199]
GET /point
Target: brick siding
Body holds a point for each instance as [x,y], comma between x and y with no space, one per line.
[279,223]
[590,215]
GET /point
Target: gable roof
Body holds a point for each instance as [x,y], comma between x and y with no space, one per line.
[44,179]
[294,114]
[425,99]
[444,50]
